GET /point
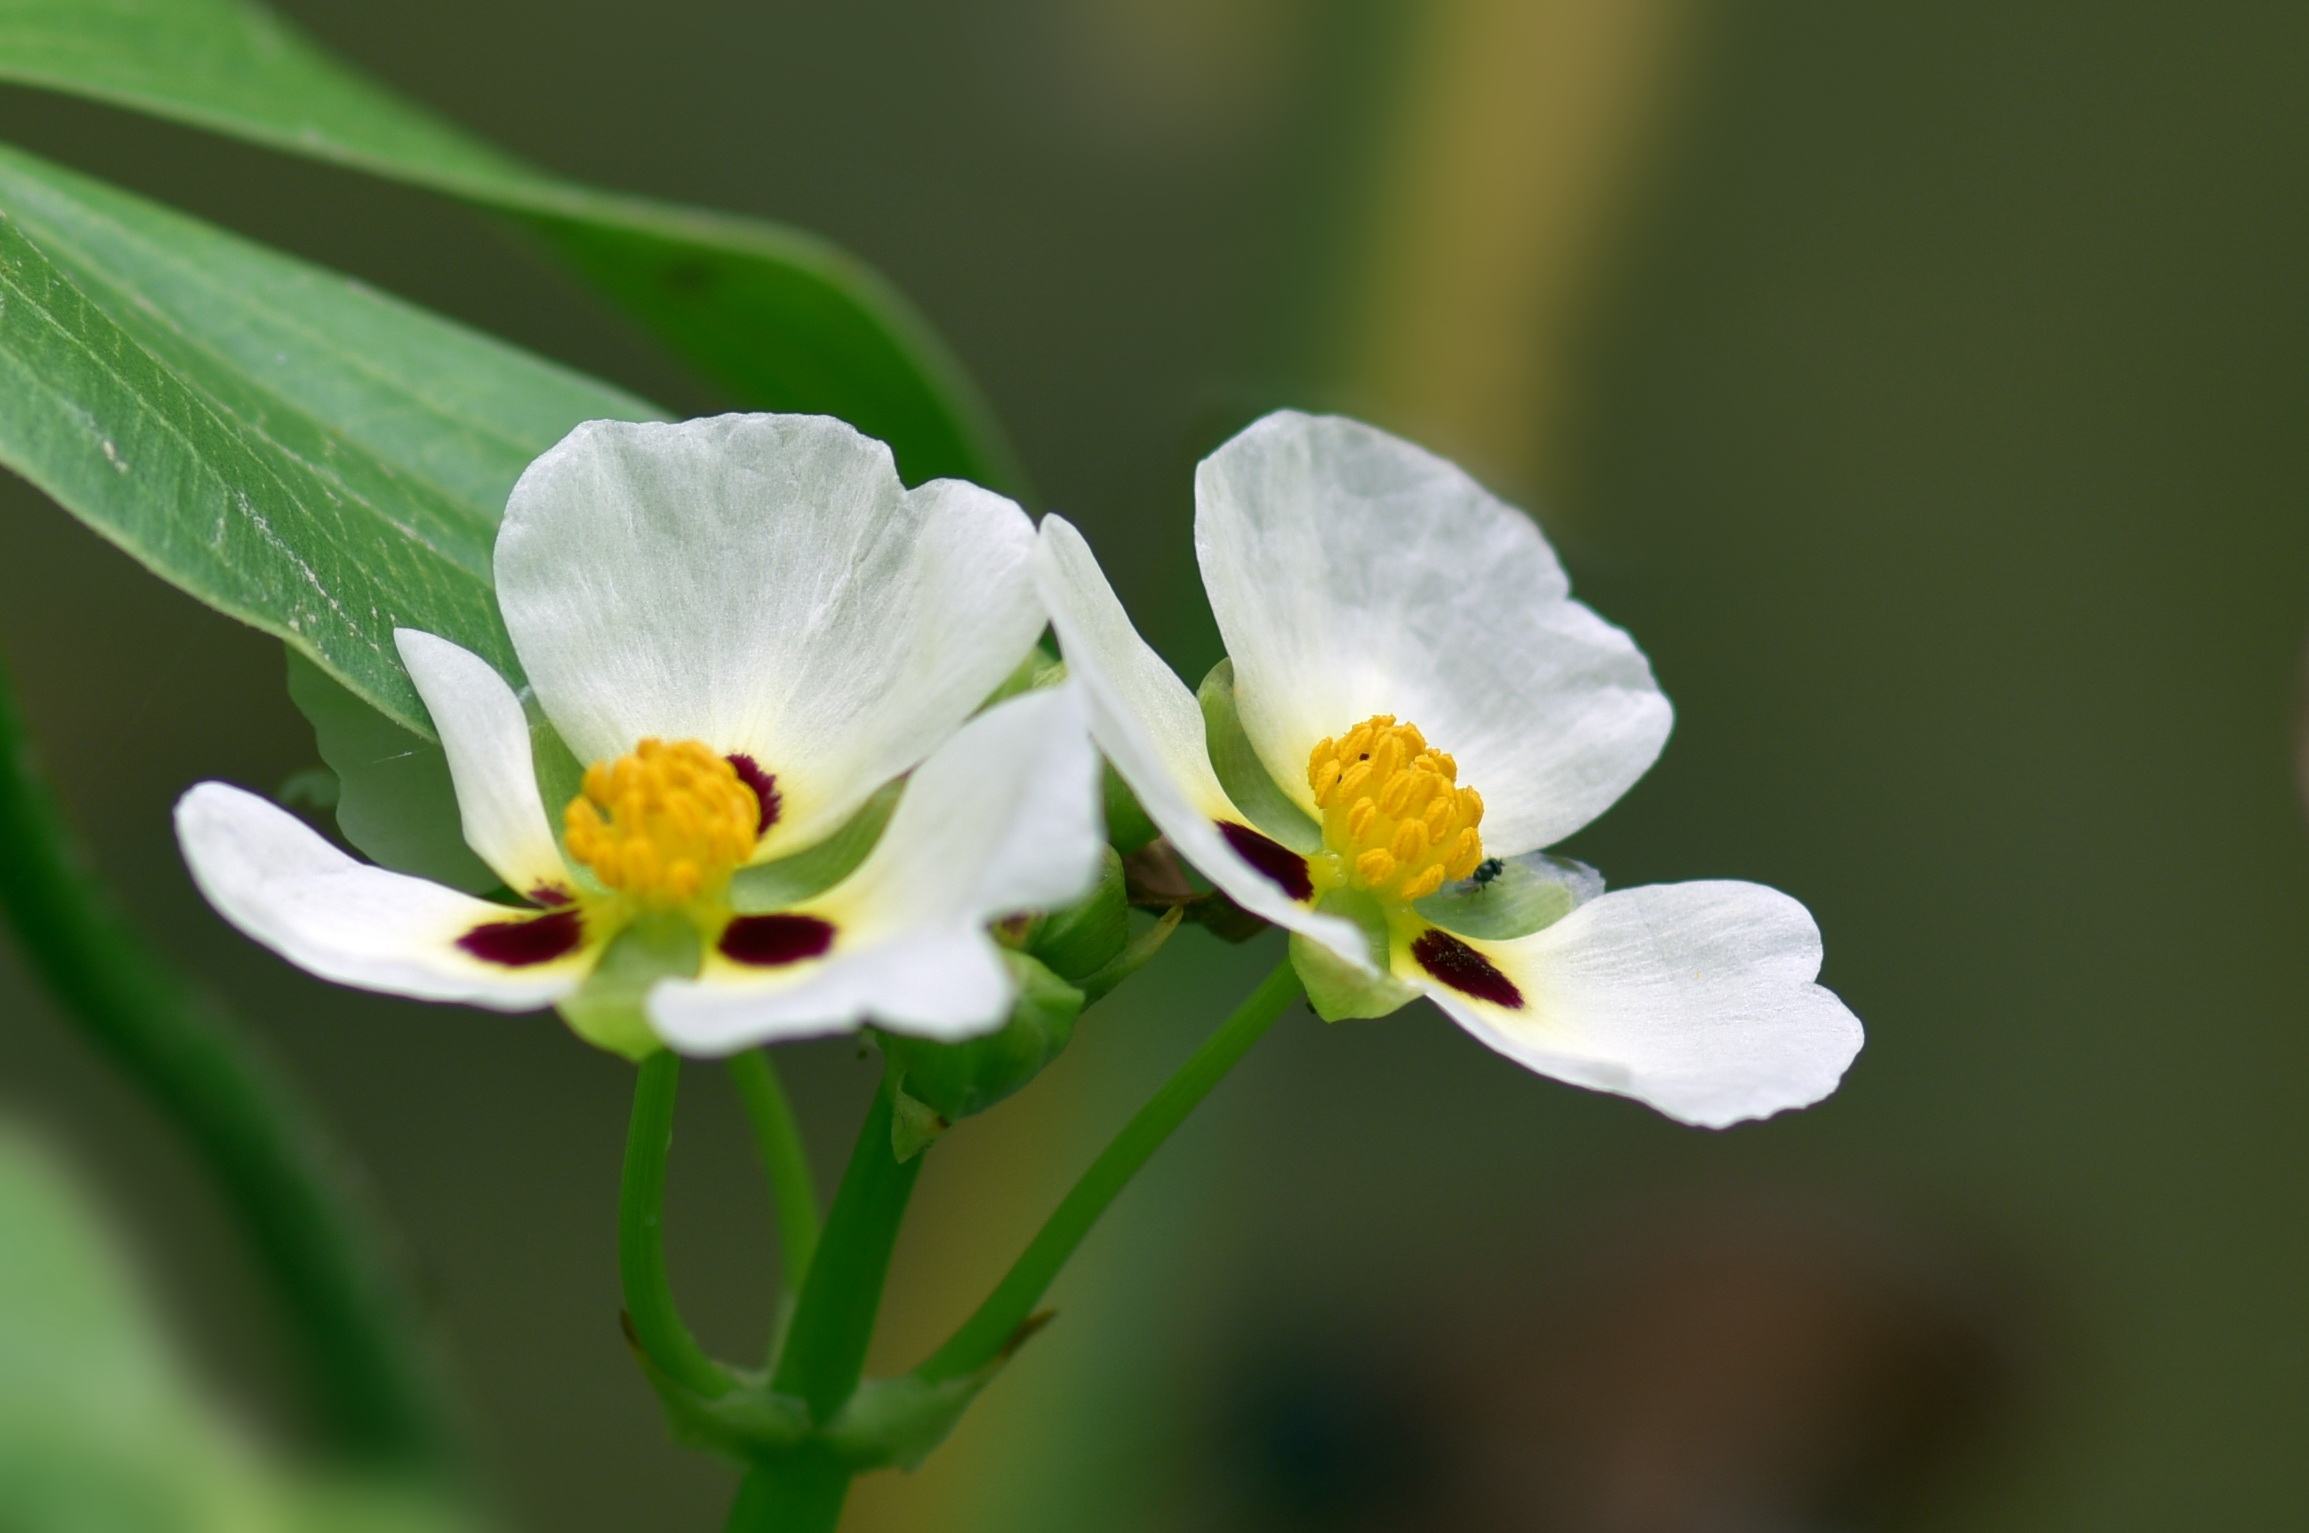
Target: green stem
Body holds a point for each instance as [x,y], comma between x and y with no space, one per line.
[649,1303]
[988,1333]
[365,1350]
[825,1350]
[784,1160]
[803,1494]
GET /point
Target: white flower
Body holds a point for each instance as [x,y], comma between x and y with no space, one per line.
[748,626]
[1416,706]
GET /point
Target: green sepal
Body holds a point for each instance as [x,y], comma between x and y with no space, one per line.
[895,1423]
[1336,989]
[749,1424]
[1512,896]
[957,1080]
[1039,669]
[789,880]
[891,1423]
[395,802]
[1241,772]
[1128,827]
[914,1125]
[1083,938]
[1133,957]
[606,1011]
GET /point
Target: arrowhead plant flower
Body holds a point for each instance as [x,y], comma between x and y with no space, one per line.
[748,631]
[1412,709]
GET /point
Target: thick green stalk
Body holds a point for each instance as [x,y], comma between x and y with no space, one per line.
[784,1160]
[649,1303]
[826,1349]
[803,1494]
[364,1348]
[987,1333]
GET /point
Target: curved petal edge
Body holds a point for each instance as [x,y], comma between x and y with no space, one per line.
[280,883]
[1151,728]
[1354,574]
[1697,999]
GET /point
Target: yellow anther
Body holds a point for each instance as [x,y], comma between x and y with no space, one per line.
[1440,809]
[1395,796]
[1393,810]
[1425,884]
[663,825]
[1388,757]
[1426,787]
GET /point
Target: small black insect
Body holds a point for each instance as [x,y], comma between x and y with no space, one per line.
[1487,870]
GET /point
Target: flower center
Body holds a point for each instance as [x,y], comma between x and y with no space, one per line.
[665,824]
[1393,812]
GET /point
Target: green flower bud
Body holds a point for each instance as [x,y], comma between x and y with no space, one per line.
[947,1082]
[1085,937]
[1127,826]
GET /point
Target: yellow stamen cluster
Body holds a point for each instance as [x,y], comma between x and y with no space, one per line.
[664,824]
[1393,810]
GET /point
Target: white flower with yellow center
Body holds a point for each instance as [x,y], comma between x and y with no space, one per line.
[749,630]
[1413,706]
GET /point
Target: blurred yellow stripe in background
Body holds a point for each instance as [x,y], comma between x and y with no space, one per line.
[1523,125]
[1499,180]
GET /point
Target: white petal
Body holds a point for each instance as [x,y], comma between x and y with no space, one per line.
[1354,574]
[946,984]
[1695,998]
[763,583]
[1161,718]
[269,874]
[1151,728]
[1003,817]
[486,737]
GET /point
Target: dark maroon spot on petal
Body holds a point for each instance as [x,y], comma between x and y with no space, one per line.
[550,897]
[767,941]
[1456,964]
[765,786]
[519,944]
[1287,868]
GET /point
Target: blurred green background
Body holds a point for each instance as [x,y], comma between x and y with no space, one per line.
[1922,386]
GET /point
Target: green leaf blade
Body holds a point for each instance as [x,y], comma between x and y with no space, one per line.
[458,410]
[300,452]
[201,497]
[234,68]
[782,319]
